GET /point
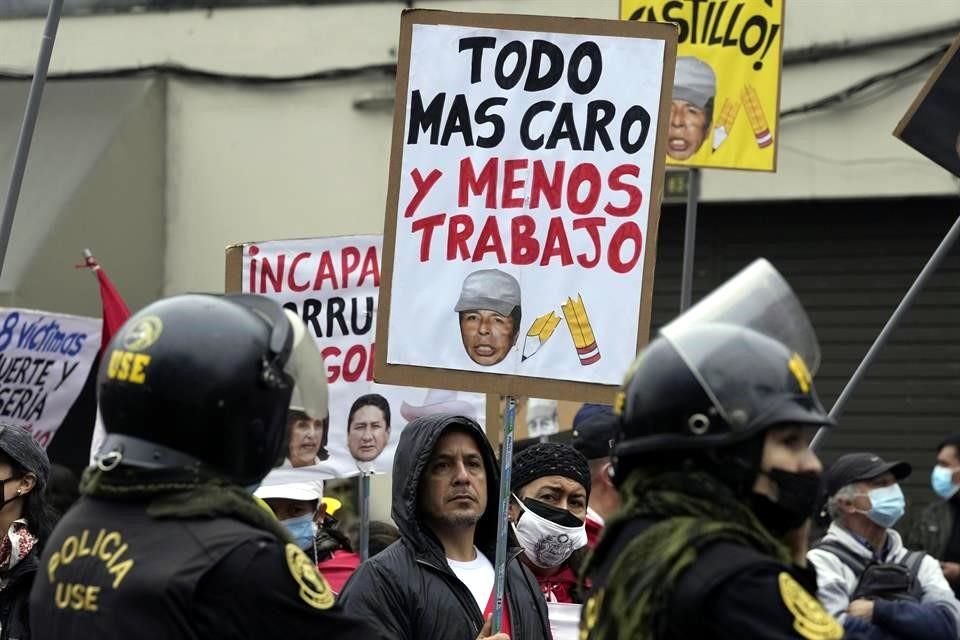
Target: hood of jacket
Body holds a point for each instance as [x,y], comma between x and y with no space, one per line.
[417,441]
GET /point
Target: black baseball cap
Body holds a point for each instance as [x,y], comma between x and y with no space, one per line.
[856,467]
[595,430]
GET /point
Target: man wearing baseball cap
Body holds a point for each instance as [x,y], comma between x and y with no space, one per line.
[489,310]
[865,576]
[595,429]
[694,88]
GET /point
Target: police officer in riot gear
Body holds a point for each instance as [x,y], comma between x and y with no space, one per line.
[167,541]
[716,477]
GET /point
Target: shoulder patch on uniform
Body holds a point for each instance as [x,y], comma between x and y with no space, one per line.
[314,590]
[810,619]
[590,613]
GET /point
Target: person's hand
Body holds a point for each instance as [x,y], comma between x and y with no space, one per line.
[487,628]
[951,571]
[861,609]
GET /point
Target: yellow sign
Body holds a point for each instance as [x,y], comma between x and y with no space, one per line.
[726,92]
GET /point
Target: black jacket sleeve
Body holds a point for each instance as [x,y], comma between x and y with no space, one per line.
[371,594]
[761,601]
[253,592]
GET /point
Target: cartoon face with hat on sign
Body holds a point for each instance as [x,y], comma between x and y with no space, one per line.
[489,312]
[691,113]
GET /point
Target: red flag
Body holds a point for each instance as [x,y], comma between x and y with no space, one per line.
[115,311]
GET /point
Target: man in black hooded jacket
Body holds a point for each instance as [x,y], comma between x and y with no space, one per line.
[437,580]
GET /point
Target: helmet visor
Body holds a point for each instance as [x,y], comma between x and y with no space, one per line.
[759,300]
[306,367]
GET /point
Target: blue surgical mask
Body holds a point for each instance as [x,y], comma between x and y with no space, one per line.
[302,529]
[888,507]
[942,482]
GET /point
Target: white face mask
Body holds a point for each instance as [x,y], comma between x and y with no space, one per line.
[546,543]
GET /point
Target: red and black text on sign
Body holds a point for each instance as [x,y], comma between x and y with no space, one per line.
[530,238]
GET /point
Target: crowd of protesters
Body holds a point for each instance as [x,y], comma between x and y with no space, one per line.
[662,518]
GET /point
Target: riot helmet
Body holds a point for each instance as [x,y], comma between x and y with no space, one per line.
[205,381]
[738,363]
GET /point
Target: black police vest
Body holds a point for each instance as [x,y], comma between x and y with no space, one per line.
[111,571]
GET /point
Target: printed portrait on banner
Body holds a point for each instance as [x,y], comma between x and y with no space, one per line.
[332,284]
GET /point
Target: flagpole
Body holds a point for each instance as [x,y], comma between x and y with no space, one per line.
[364,516]
[926,273]
[28,126]
[689,239]
[90,261]
[115,313]
[503,523]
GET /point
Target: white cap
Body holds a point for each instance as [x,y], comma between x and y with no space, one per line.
[291,491]
[437,401]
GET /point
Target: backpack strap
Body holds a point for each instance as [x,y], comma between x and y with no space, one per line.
[912,562]
[856,563]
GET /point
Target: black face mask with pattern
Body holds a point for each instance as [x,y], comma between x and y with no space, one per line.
[796,501]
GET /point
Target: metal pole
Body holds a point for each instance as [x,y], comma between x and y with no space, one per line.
[503,524]
[28,125]
[364,516]
[945,245]
[689,239]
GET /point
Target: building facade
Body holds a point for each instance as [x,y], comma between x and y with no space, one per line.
[167,135]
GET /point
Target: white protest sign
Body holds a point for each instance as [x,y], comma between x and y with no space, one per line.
[526,176]
[564,620]
[333,285]
[45,359]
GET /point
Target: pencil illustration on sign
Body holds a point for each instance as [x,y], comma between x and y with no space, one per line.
[728,115]
[538,333]
[581,330]
[758,120]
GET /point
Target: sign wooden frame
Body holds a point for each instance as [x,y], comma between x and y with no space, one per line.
[233,274]
[511,384]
